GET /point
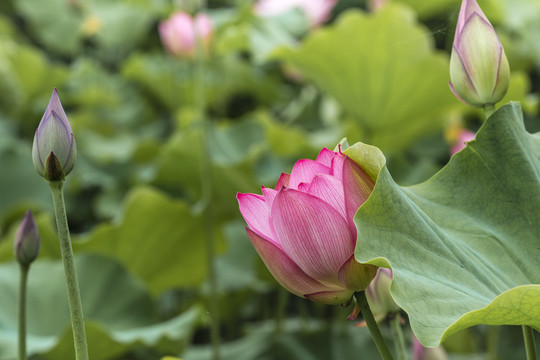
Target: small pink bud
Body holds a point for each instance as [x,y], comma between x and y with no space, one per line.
[317,11]
[463,137]
[178,33]
[27,242]
[378,295]
[423,353]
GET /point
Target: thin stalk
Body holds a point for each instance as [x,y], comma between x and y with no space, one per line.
[207,191]
[488,110]
[22,311]
[74,295]
[530,346]
[399,339]
[384,351]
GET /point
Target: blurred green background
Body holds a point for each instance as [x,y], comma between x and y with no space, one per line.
[277,89]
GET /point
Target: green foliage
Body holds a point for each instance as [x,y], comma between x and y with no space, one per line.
[361,72]
[120,312]
[157,240]
[277,90]
[463,245]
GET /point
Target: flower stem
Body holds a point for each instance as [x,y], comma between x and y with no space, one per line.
[74,295]
[488,110]
[530,346]
[372,326]
[22,311]
[207,190]
[399,339]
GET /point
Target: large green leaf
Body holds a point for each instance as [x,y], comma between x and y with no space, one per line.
[464,245]
[159,240]
[383,70]
[118,309]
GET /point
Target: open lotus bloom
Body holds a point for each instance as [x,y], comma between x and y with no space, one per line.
[317,11]
[303,229]
[478,65]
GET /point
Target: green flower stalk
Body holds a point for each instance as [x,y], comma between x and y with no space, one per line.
[478,65]
[26,249]
[54,153]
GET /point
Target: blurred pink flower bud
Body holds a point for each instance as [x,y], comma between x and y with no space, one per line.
[179,31]
[463,137]
[423,353]
[54,151]
[317,11]
[304,229]
[478,65]
[27,242]
[378,295]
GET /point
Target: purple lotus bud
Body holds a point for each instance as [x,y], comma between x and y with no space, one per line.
[27,241]
[423,353]
[478,65]
[54,151]
[378,295]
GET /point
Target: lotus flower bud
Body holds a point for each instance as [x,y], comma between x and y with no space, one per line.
[303,229]
[54,150]
[378,295]
[478,65]
[178,33]
[27,241]
[317,11]
[423,353]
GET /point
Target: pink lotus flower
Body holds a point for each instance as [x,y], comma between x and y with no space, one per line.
[478,65]
[317,11]
[178,33]
[304,230]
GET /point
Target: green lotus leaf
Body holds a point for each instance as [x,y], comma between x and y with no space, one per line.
[383,70]
[464,245]
[158,240]
[119,311]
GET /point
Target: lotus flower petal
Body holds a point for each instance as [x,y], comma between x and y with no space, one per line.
[356,276]
[256,213]
[286,272]
[304,171]
[357,185]
[283,181]
[318,244]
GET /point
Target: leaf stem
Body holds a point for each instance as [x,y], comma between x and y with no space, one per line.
[489,109]
[207,190]
[530,346]
[372,326]
[22,310]
[399,339]
[74,295]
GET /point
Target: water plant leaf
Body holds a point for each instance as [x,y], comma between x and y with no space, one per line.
[383,69]
[119,310]
[159,240]
[464,245]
